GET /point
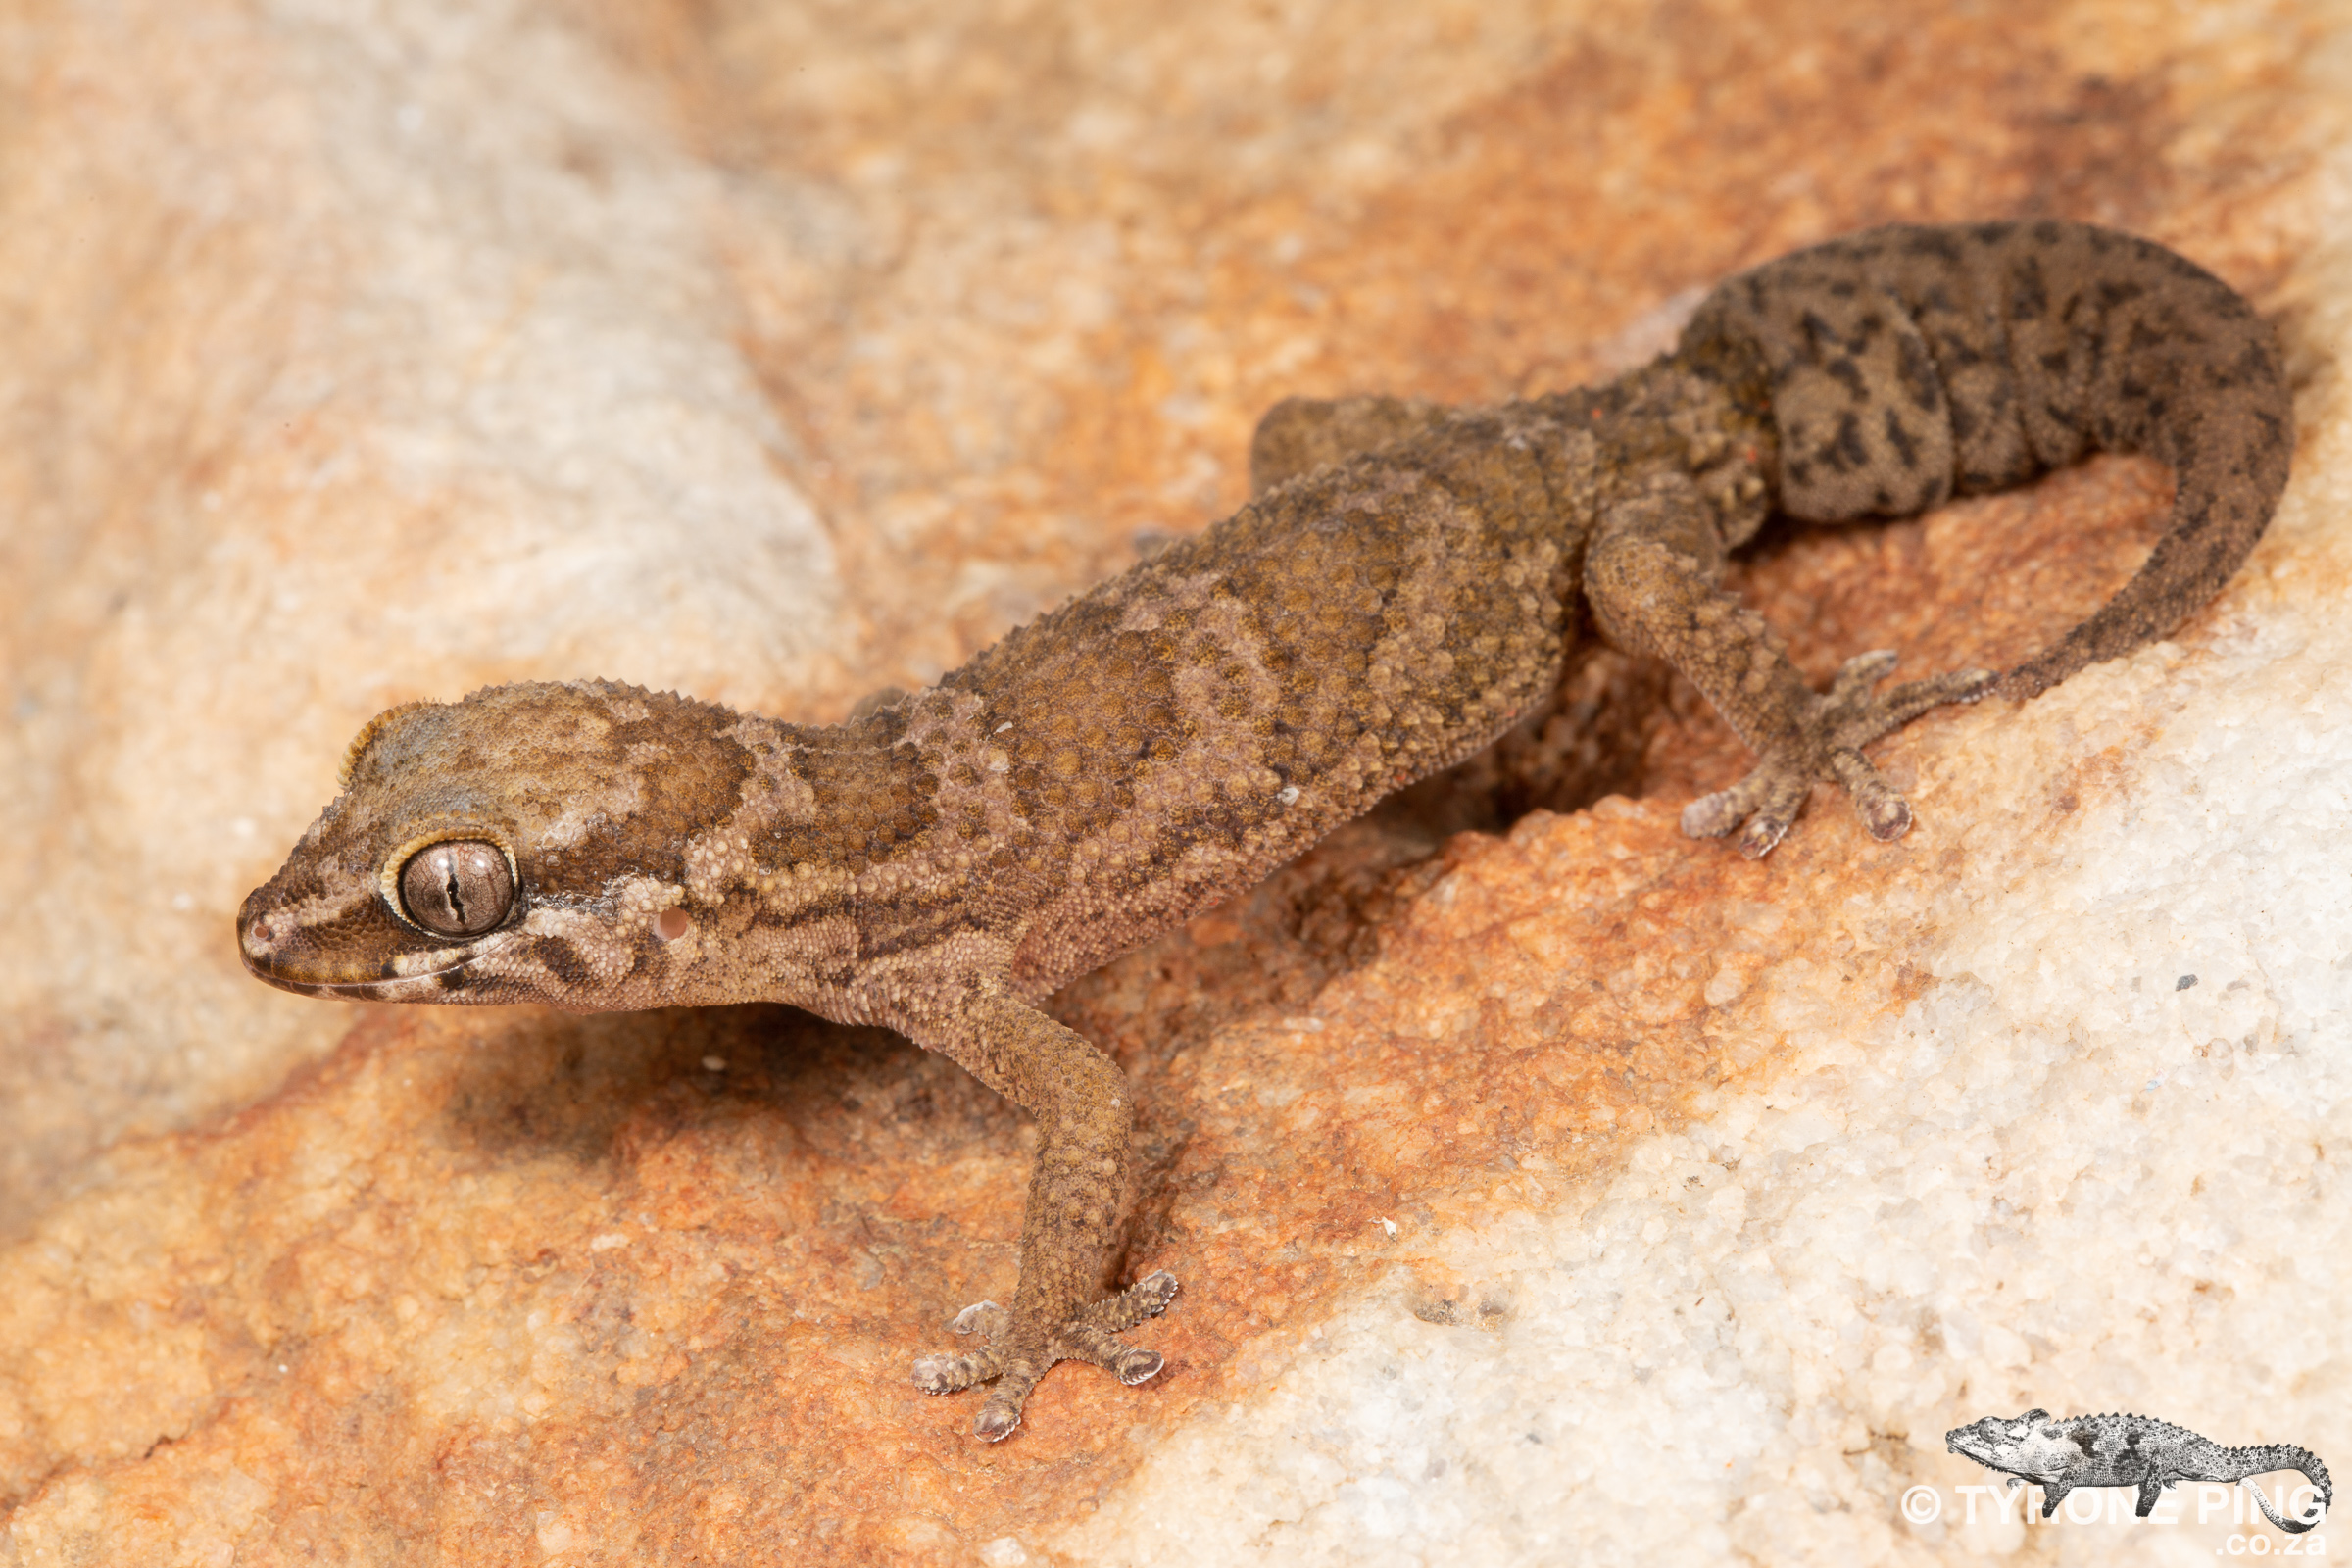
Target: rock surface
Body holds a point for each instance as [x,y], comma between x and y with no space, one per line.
[1560,1191]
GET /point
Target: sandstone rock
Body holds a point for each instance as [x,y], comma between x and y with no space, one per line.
[1557,1190]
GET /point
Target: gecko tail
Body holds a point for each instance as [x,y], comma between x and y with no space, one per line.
[2165,358]
[1908,364]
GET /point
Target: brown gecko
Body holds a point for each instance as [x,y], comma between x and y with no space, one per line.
[1401,588]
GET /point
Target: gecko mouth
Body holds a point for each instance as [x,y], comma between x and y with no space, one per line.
[284,951]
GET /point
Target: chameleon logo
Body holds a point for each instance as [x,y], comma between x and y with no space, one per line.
[2060,1454]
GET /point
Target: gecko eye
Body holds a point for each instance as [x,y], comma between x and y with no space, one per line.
[457,888]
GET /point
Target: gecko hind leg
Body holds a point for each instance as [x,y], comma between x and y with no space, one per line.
[1849,715]
[1650,579]
[1091,1336]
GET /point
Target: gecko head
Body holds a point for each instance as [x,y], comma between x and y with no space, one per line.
[527,844]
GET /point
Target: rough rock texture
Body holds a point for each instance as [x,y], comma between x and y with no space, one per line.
[1564,1189]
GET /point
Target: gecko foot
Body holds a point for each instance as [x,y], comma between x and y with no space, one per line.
[1843,720]
[1014,1361]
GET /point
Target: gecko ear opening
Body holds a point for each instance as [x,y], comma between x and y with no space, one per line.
[452,887]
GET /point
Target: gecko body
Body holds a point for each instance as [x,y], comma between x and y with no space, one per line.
[2059,1454]
[1402,589]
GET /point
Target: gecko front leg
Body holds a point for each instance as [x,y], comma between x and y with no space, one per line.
[1085,1112]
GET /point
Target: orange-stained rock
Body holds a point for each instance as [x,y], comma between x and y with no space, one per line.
[1556,1188]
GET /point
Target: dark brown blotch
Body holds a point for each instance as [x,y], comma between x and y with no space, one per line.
[1916,369]
[1906,450]
[694,783]
[563,960]
[2029,293]
[1849,448]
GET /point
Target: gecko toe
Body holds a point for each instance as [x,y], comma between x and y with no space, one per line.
[1853,704]
[1002,1412]
[1885,816]
[1130,1364]
[1762,806]
[1762,835]
[952,1374]
[1783,788]
[983,1318]
[1711,816]
[1859,675]
[1146,1297]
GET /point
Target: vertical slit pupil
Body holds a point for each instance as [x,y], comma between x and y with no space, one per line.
[459,888]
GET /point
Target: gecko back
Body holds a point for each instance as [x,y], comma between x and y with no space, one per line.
[1906,365]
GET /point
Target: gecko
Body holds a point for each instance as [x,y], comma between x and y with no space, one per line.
[2128,1451]
[1402,586]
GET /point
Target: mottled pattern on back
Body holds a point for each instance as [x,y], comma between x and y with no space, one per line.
[1216,709]
[1403,588]
[872,796]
